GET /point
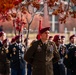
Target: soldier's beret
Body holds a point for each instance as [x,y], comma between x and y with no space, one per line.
[13,40]
[38,36]
[62,36]
[4,41]
[44,29]
[56,38]
[25,39]
[50,37]
[1,33]
[17,37]
[72,36]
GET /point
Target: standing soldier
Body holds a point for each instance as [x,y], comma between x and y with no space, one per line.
[69,45]
[72,59]
[4,63]
[56,68]
[17,63]
[42,54]
[5,67]
[62,52]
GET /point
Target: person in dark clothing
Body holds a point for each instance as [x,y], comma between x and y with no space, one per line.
[16,57]
[72,60]
[68,46]
[4,63]
[42,54]
[62,52]
[56,68]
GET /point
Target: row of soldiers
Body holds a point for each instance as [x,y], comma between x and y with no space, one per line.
[65,65]
[67,62]
[12,56]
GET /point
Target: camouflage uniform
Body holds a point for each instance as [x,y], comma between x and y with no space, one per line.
[41,57]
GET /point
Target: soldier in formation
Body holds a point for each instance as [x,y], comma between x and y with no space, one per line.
[42,54]
[16,57]
[4,62]
[56,68]
[62,52]
[69,46]
[72,60]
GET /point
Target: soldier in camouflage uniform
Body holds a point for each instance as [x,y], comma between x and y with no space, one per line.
[42,54]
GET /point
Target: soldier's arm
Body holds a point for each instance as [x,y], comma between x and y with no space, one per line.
[55,54]
[28,56]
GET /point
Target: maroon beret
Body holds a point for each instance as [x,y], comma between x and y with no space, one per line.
[62,36]
[13,40]
[44,29]
[38,37]
[25,39]
[56,38]
[17,37]
[72,36]
[50,37]
[4,41]
[1,33]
